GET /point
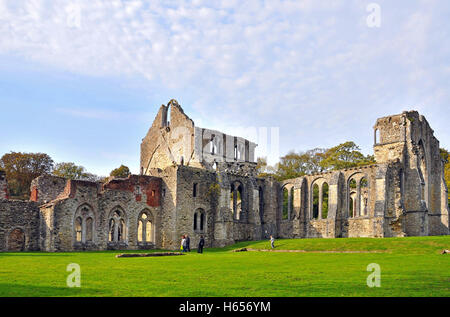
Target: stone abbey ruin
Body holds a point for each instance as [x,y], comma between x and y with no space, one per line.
[202,182]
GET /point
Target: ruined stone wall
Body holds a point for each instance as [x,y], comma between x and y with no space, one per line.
[352,211]
[403,196]
[19,225]
[46,188]
[214,146]
[168,238]
[129,197]
[211,197]
[203,201]
[408,139]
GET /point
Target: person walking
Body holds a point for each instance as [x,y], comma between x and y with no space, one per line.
[188,244]
[201,244]
[272,242]
[183,244]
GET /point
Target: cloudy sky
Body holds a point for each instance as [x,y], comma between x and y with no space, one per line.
[83,80]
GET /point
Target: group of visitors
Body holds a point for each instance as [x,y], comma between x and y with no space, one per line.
[186,244]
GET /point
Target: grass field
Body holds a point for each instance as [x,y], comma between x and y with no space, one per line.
[409,267]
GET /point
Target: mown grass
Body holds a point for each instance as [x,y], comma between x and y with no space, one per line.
[409,267]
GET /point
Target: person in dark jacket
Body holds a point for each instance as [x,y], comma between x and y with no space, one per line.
[201,244]
[188,244]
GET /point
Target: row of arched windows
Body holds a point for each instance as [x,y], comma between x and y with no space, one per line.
[117,226]
[238,201]
[357,200]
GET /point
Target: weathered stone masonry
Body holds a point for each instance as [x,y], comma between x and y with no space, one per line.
[203,183]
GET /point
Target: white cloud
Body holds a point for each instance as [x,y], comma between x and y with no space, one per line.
[302,65]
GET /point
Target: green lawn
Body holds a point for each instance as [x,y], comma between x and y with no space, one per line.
[409,267]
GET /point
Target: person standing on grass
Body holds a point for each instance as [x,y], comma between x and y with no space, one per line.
[183,244]
[272,242]
[188,244]
[201,244]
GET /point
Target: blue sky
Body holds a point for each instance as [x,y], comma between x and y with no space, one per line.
[83,80]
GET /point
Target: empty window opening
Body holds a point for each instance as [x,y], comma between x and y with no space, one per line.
[352,189]
[351,208]
[148,231]
[112,226]
[315,209]
[78,229]
[194,191]
[202,221]
[364,191]
[213,145]
[325,195]
[121,234]
[84,225]
[145,228]
[140,230]
[195,221]
[377,136]
[291,204]
[199,220]
[285,214]
[117,227]
[236,200]
[261,205]
[239,203]
[89,229]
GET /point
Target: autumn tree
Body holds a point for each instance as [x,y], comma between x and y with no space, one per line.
[121,172]
[72,171]
[22,168]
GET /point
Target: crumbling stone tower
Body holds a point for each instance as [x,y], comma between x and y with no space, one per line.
[173,140]
[406,141]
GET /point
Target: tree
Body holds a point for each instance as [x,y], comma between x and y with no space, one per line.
[121,172]
[69,170]
[298,164]
[261,165]
[22,168]
[345,155]
[263,168]
[72,171]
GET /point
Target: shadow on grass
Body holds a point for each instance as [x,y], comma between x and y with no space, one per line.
[17,290]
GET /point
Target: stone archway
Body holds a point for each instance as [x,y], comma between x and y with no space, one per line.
[16,240]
